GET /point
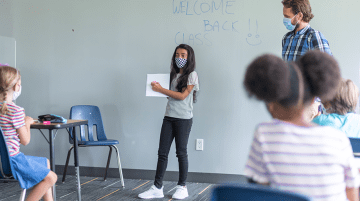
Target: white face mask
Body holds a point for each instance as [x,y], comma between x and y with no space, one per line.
[16,94]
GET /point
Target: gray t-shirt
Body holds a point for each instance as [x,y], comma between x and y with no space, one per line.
[182,109]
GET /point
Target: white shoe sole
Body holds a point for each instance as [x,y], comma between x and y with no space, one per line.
[159,196]
[179,198]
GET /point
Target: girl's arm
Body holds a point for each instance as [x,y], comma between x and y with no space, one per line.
[352,194]
[24,131]
[173,94]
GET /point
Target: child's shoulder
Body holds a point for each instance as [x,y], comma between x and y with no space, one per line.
[329,119]
[193,75]
[273,122]
[13,108]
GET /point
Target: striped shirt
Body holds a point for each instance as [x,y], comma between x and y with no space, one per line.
[315,161]
[9,122]
[294,45]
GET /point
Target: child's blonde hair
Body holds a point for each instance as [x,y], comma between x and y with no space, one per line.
[345,100]
[9,76]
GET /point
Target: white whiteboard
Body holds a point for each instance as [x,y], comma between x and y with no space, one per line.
[7,51]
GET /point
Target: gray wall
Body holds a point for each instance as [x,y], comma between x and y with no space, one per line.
[104,62]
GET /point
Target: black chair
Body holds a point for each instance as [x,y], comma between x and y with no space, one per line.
[93,115]
[6,165]
[253,192]
[355,144]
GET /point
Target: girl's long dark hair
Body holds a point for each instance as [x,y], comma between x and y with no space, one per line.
[188,68]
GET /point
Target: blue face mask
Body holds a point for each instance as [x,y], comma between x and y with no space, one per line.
[180,62]
[288,25]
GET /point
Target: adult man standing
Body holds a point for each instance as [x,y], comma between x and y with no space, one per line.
[301,38]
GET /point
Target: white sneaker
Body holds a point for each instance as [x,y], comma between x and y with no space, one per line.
[153,192]
[181,192]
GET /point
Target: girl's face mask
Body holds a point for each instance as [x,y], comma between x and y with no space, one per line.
[16,94]
[180,62]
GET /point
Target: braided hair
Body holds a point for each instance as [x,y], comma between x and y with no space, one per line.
[9,76]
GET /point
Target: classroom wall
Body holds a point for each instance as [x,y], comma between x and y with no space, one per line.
[99,52]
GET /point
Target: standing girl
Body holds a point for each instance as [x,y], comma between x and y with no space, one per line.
[177,121]
[30,171]
[289,152]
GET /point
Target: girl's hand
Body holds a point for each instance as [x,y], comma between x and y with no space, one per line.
[156,86]
[29,120]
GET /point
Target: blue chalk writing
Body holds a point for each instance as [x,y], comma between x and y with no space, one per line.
[182,6]
[195,9]
[192,39]
[214,6]
[197,38]
[204,10]
[253,41]
[233,28]
[227,5]
[210,43]
[191,7]
[216,26]
[223,26]
[187,8]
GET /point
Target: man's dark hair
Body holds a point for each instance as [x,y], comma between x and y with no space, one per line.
[297,6]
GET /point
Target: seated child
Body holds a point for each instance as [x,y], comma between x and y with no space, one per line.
[30,171]
[289,152]
[341,109]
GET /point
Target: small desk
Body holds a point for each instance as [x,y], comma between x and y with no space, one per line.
[55,126]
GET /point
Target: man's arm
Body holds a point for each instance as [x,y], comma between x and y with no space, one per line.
[319,42]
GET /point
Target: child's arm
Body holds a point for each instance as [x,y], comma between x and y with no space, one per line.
[352,194]
[24,131]
[173,94]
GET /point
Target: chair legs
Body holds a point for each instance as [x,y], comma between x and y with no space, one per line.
[108,163]
[67,163]
[119,164]
[22,196]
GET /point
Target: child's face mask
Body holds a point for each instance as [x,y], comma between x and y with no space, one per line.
[180,62]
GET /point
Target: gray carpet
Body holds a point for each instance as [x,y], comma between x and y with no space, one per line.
[95,188]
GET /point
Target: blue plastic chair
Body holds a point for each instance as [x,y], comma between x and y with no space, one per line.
[6,164]
[253,192]
[355,144]
[93,115]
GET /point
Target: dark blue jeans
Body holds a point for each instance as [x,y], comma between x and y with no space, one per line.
[180,130]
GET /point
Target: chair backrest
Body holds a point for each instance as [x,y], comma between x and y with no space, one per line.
[5,163]
[355,144]
[252,192]
[93,115]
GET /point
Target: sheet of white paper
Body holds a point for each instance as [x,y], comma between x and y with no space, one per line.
[163,79]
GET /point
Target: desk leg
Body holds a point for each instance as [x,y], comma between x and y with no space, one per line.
[52,158]
[76,161]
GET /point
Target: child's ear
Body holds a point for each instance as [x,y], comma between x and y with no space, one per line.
[270,107]
[16,87]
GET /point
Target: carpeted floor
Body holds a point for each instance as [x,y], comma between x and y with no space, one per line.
[95,188]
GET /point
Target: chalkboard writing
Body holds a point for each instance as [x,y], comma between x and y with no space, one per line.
[199,8]
[253,39]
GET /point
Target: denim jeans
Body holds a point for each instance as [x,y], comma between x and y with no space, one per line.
[180,130]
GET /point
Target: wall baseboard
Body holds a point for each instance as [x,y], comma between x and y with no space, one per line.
[212,178]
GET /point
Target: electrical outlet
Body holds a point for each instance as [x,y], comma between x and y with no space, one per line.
[199,144]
